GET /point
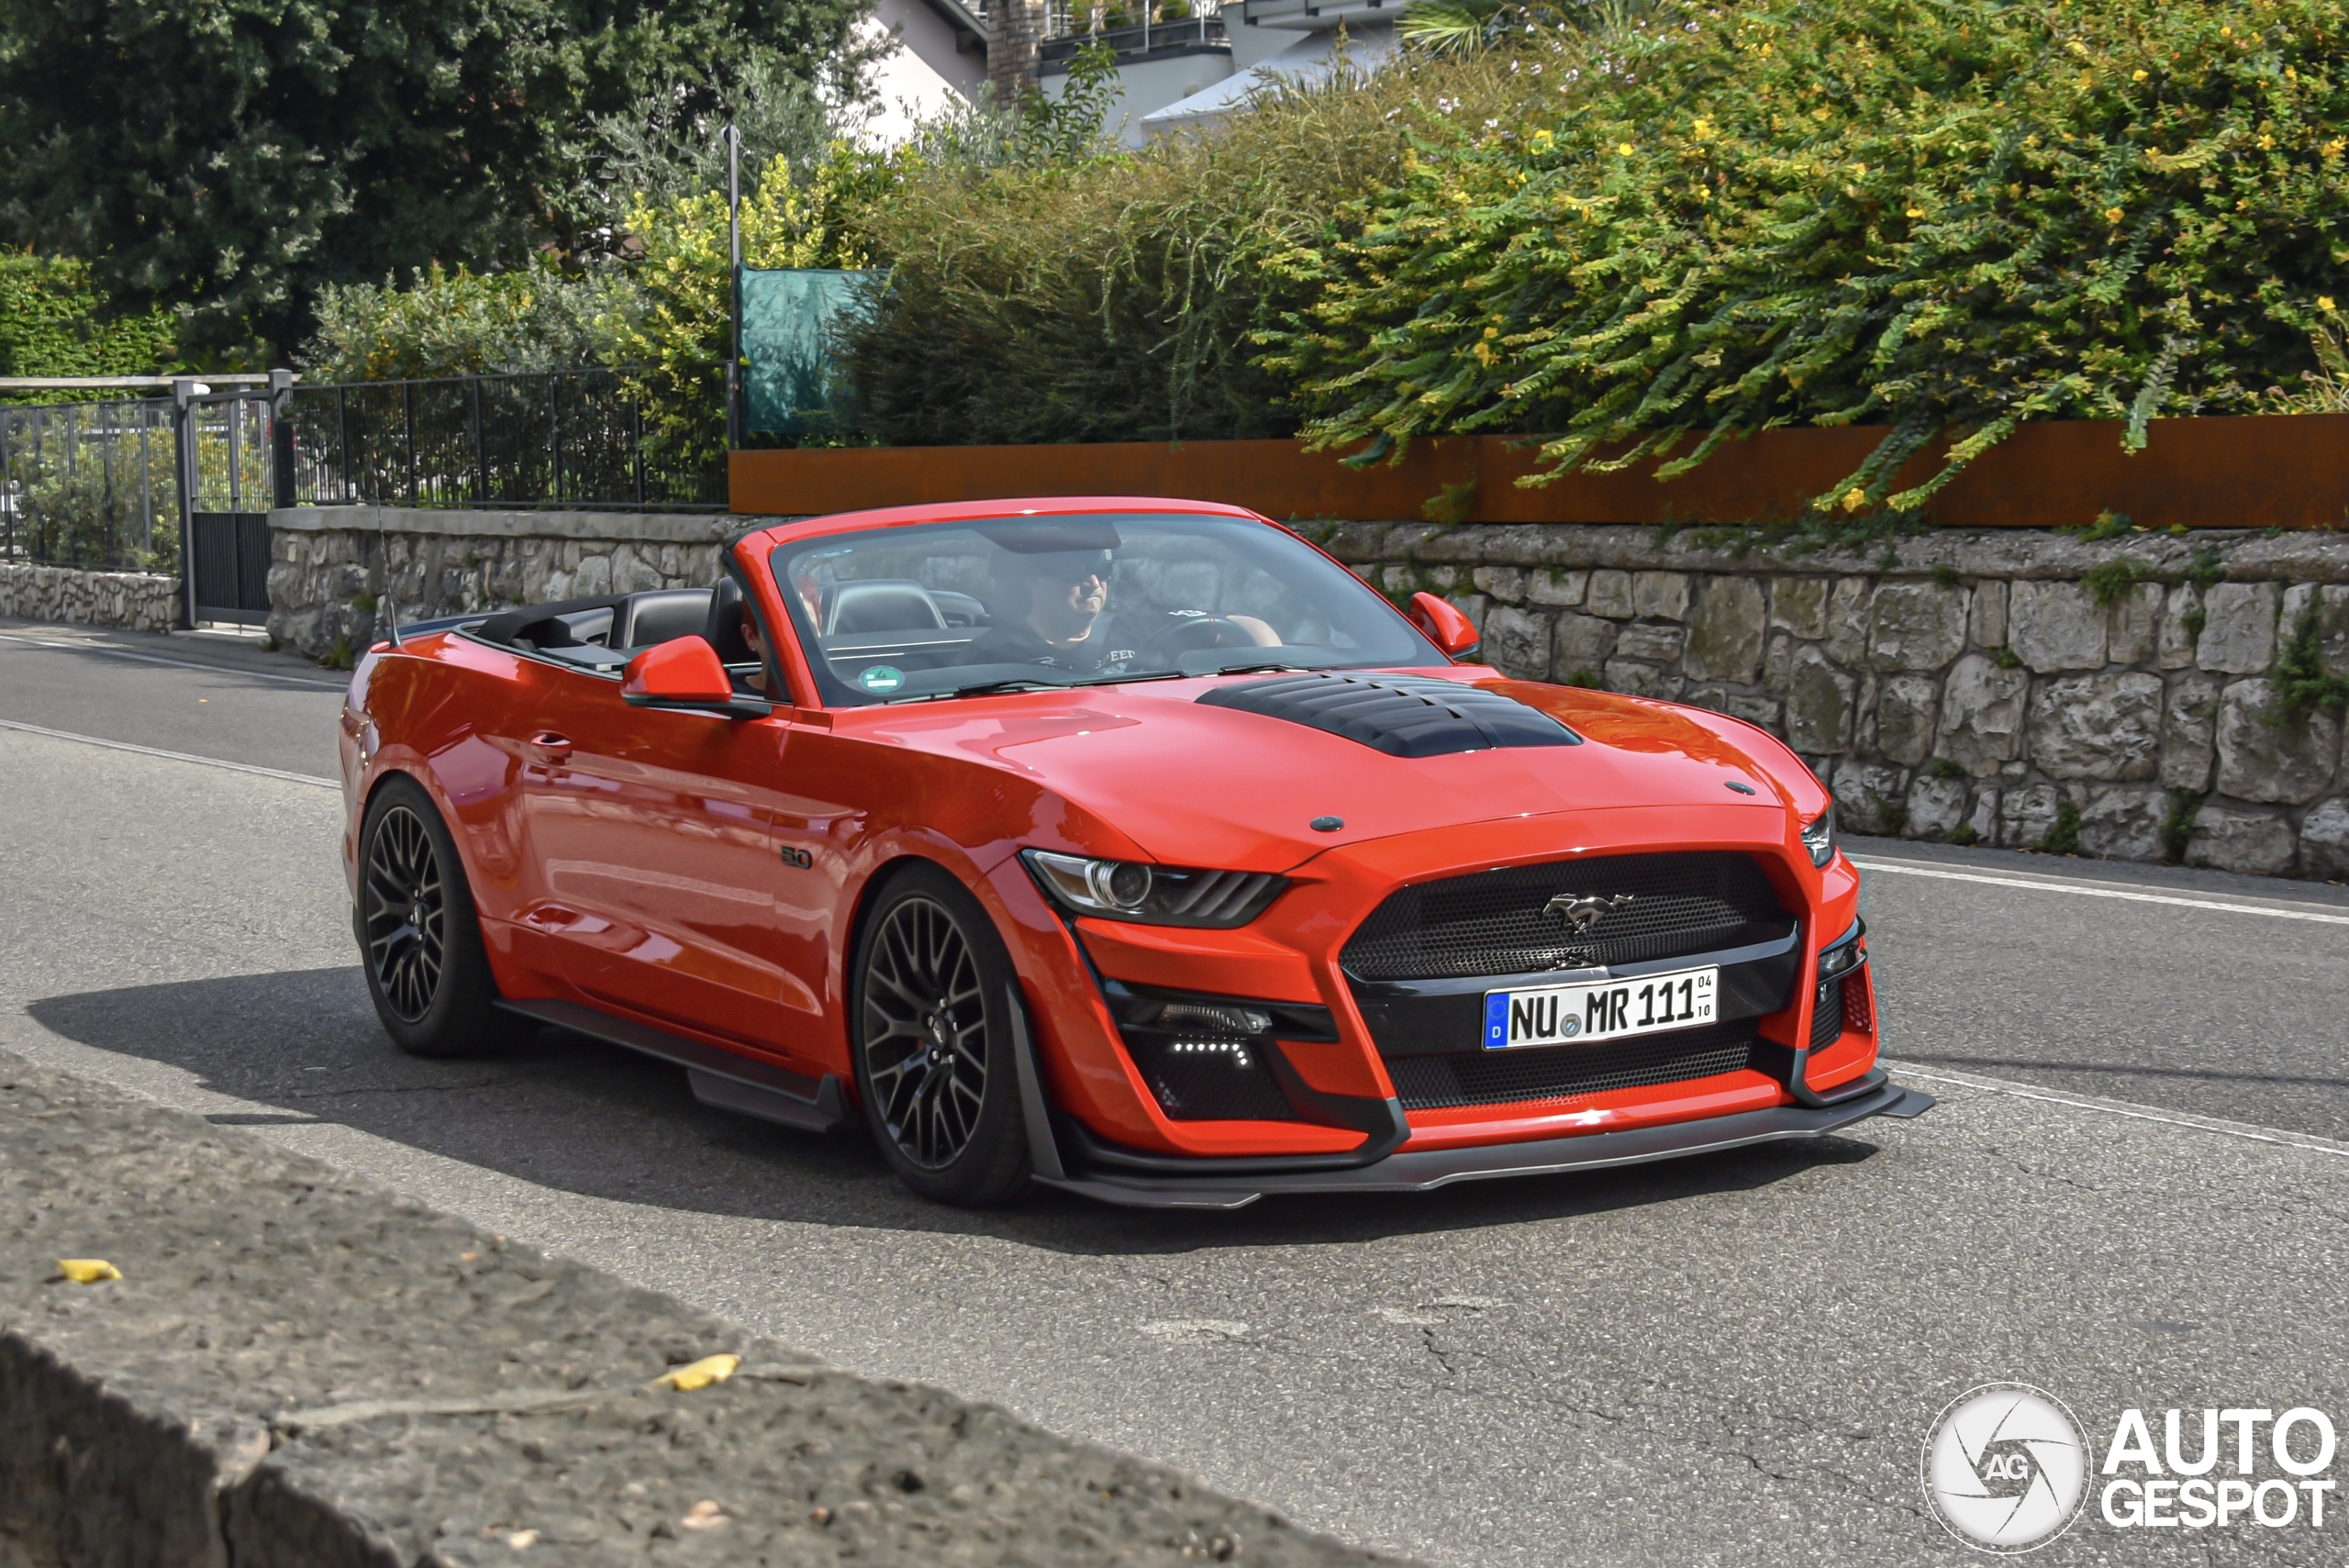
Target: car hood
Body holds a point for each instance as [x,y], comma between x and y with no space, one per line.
[1196,784]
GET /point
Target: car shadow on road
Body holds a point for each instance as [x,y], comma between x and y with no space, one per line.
[574,1115]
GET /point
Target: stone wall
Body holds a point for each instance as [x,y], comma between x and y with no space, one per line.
[2001,686]
[328,564]
[141,601]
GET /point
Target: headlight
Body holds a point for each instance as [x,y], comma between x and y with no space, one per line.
[1152,894]
[1819,836]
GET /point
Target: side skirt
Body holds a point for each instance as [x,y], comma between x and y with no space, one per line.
[720,1078]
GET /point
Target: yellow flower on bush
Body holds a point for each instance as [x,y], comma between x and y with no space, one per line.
[2324,302]
[2137,76]
[1625,148]
[1854,498]
[2113,215]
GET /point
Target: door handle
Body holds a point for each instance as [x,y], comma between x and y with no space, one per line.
[548,748]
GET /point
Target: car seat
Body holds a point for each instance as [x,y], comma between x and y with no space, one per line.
[662,615]
[723,625]
[882,605]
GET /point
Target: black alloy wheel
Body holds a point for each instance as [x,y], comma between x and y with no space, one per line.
[933,1043]
[402,909]
[427,973]
[925,1032]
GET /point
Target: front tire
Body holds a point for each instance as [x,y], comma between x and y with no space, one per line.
[932,1041]
[420,939]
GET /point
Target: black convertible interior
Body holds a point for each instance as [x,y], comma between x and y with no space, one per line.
[859,624]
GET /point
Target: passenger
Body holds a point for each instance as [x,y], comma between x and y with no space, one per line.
[757,679]
[1066,593]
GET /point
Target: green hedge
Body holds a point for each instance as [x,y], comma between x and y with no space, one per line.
[1935,218]
[1117,295]
[53,321]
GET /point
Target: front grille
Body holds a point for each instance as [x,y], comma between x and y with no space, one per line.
[1827,1016]
[1494,922]
[1564,1071]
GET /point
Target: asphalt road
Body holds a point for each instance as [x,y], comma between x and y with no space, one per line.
[1726,1360]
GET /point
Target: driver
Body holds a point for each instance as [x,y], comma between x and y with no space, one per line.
[1064,593]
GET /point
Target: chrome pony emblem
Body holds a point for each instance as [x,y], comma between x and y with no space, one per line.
[1582,914]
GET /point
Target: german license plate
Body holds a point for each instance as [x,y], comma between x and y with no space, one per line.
[1603,1009]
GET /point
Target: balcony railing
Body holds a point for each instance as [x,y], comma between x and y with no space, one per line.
[1135,28]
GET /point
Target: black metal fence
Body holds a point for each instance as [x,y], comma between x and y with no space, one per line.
[563,438]
[96,485]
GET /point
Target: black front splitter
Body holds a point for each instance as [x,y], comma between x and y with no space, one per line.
[1408,1172]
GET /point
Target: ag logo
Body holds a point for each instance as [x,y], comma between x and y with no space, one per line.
[2005,1468]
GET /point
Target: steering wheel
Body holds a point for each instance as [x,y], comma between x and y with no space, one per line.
[1194,633]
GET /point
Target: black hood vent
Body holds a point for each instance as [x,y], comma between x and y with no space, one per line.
[1403,715]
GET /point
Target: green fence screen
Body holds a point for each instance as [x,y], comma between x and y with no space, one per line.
[789,387]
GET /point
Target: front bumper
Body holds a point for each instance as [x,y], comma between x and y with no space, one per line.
[1059,1160]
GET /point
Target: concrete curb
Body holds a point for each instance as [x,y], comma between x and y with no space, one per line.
[198,1410]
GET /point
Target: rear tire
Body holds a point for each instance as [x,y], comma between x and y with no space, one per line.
[932,1040]
[420,939]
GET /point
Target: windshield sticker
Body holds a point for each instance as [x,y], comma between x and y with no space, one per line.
[882,678]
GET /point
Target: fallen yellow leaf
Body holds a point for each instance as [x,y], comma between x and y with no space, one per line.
[89,1270]
[699,1374]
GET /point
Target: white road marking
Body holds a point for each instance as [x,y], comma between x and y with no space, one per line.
[310,779]
[2308,1141]
[2098,890]
[74,647]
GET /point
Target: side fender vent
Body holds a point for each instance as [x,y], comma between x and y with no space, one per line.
[1403,715]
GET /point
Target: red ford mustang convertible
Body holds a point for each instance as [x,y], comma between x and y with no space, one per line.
[1133,847]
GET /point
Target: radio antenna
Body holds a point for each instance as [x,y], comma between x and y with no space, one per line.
[391,611]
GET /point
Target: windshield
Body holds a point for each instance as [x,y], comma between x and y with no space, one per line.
[1009,604]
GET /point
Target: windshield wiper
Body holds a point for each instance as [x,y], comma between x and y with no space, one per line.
[1265,667]
[989,688]
[1128,680]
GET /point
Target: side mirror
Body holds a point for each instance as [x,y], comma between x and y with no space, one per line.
[682,672]
[1446,626]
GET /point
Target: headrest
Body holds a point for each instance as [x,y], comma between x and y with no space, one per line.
[724,626]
